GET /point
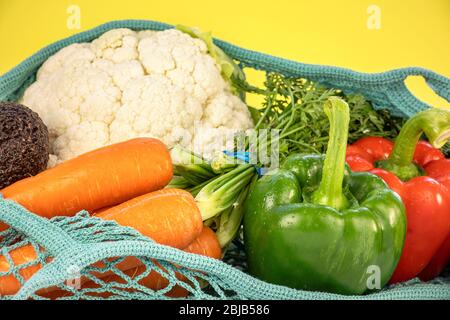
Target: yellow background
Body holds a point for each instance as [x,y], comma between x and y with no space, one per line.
[413,33]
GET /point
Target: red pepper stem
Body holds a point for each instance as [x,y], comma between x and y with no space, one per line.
[434,123]
[330,191]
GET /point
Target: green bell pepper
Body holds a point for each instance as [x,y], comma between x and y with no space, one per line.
[315,225]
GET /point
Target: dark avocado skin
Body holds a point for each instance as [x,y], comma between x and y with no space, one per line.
[293,242]
[24,143]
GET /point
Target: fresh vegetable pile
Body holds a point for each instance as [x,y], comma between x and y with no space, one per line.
[309,212]
[295,108]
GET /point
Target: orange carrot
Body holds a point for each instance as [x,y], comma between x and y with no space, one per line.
[169,216]
[10,284]
[97,179]
[205,244]
[96,212]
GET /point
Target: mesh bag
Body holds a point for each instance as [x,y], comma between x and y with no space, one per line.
[84,257]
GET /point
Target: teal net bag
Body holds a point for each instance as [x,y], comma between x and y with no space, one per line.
[84,257]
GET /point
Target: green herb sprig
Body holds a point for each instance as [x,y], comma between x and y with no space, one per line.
[295,107]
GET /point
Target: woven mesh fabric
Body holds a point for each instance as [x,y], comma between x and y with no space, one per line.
[95,251]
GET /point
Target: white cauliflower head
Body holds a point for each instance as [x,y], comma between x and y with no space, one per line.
[128,84]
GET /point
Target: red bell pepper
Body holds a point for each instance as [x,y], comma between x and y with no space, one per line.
[420,174]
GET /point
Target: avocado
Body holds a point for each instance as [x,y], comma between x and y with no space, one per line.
[24,143]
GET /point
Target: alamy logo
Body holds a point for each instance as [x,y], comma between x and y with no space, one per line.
[374,18]
[74,277]
[374,279]
[74,18]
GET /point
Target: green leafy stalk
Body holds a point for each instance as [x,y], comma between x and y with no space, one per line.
[191,167]
[222,192]
[330,190]
[230,220]
[221,163]
[434,123]
[179,182]
[194,190]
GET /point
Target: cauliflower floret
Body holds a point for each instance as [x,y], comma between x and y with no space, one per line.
[141,113]
[74,94]
[75,139]
[121,73]
[128,84]
[235,118]
[117,45]
[76,53]
[183,60]
[209,140]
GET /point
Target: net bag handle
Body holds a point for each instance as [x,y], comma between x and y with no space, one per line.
[384,89]
[51,237]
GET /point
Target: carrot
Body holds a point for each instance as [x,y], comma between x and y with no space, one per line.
[169,216]
[10,284]
[205,244]
[96,212]
[97,179]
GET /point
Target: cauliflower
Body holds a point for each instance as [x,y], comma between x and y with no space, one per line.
[127,84]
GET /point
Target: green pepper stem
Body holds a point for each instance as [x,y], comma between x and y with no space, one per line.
[435,123]
[330,191]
